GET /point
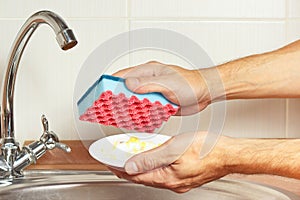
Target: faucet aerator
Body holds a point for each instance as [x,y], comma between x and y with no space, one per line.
[66,39]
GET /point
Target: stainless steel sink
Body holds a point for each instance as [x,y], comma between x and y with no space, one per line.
[64,185]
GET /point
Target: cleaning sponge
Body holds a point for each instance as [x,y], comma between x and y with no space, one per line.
[109,102]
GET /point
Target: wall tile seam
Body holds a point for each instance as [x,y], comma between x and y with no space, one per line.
[289,17]
[72,18]
[209,21]
[295,19]
[207,17]
[128,8]
[286,39]
[163,21]
[163,18]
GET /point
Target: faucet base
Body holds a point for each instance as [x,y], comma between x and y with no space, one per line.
[9,151]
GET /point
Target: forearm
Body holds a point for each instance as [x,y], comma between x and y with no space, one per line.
[274,74]
[260,156]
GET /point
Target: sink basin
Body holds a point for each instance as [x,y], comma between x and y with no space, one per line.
[64,185]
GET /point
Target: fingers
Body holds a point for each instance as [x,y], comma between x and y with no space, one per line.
[175,83]
[191,109]
[145,84]
[156,178]
[117,172]
[163,84]
[173,86]
[150,77]
[122,72]
[152,68]
[159,178]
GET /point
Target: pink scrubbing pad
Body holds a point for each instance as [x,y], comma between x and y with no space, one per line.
[128,112]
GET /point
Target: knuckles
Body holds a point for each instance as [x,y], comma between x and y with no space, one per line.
[153,62]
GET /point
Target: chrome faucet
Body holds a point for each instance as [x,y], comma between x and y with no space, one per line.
[13,159]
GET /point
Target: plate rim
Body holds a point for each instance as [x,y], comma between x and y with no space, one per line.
[92,153]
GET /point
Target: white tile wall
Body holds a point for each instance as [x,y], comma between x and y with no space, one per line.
[208,8]
[224,41]
[47,75]
[293,8]
[67,8]
[293,125]
[225,29]
[293,29]
[8,32]
[256,118]
[293,105]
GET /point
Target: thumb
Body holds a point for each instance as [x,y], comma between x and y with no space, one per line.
[161,156]
[149,160]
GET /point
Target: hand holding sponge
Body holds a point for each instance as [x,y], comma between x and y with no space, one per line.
[109,102]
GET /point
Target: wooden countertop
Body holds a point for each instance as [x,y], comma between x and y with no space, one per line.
[79,159]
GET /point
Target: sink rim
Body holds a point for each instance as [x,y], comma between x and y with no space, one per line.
[36,178]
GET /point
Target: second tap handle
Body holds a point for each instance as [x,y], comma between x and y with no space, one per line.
[45,123]
[63,147]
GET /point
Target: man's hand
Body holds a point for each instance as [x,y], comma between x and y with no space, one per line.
[186,88]
[273,74]
[176,165]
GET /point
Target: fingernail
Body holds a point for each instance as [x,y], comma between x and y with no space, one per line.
[131,168]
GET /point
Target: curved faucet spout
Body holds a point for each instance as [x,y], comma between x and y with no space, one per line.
[65,39]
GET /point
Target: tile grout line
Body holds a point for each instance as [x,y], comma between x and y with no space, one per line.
[286,19]
[286,118]
[128,13]
[286,100]
[161,19]
[207,19]
[223,20]
[129,3]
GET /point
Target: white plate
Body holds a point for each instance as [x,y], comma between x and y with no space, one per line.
[115,150]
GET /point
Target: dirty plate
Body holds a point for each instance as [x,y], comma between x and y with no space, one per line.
[115,150]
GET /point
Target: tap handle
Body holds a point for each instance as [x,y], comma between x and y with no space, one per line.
[63,147]
[45,123]
[50,139]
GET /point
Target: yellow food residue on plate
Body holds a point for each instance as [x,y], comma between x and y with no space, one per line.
[134,145]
